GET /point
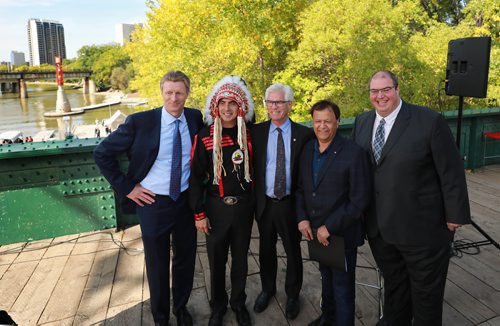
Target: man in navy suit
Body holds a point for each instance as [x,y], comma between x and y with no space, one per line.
[333,190]
[158,145]
[419,200]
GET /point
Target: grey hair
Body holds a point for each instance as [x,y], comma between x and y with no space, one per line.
[287,90]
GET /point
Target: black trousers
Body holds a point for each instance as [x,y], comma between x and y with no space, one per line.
[160,221]
[231,228]
[279,218]
[414,281]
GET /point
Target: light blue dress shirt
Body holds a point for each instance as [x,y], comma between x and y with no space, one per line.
[158,178]
[272,143]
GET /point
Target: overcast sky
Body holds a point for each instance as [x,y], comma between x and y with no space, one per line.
[85,22]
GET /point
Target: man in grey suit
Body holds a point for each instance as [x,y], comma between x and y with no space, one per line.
[419,200]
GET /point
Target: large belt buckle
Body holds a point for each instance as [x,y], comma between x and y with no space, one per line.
[230,200]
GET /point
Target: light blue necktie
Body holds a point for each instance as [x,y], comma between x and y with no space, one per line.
[378,142]
[176,170]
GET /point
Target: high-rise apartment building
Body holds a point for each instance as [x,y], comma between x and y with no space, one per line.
[17,58]
[46,40]
[123,33]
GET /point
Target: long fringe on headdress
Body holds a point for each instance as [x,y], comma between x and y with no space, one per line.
[234,88]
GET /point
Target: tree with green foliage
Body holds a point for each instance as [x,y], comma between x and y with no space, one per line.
[87,55]
[343,43]
[45,67]
[335,60]
[120,77]
[102,60]
[208,39]
[113,57]
[444,11]
[323,48]
[483,17]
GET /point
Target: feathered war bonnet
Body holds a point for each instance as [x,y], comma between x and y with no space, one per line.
[235,89]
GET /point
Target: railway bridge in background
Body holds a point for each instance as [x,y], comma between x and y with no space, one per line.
[16,81]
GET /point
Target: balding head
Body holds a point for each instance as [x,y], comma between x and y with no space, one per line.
[384,92]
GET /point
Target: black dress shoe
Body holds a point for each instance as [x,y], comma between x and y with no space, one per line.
[262,301]
[242,316]
[216,318]
[184,317]
[292,308]
[161,323]
[322,321]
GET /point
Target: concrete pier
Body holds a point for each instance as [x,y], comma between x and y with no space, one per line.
[62,103]
[23,89]
[88,86]
[85,82]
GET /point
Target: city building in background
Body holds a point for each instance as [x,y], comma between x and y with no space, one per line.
[17,58]
[123,33]
[46,40]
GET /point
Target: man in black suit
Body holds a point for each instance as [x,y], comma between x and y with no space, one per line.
[277,145]
[333,190]
[419,200]
[158,145]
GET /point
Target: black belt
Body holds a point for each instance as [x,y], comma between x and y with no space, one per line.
[231,200]
[276,200]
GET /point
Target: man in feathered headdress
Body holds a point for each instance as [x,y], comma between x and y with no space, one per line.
[220,192]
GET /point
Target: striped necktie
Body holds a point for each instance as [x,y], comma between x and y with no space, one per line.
[378,141]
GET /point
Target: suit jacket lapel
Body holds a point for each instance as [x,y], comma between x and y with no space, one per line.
[190,122]
[337,145]
[293,146]
[307,153]
[262,139]
[402,121]
[366,134]
[156,130]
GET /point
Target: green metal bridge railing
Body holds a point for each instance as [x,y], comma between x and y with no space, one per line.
[54,188]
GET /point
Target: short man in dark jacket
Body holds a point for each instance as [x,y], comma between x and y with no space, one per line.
[333,191]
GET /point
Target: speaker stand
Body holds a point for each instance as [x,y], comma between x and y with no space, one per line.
[489,240]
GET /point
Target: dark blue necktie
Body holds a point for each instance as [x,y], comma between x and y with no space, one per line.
[280,175]
[176,170]
[378,142]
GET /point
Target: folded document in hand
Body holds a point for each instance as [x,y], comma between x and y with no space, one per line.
[332,255]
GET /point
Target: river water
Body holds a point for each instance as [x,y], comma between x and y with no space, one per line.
[26,115]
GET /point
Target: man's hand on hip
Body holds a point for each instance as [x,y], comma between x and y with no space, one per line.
[141,195]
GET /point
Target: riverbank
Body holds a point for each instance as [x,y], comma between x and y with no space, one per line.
[26,115]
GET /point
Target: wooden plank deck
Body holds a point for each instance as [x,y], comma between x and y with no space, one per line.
[98,278]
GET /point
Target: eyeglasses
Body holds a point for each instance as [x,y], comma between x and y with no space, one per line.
[384,90]
[277,103]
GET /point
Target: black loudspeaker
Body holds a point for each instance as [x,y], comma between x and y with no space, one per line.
[468,66]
